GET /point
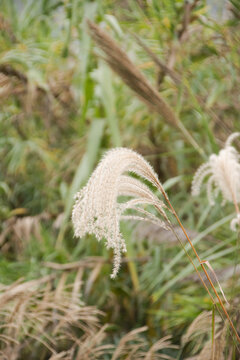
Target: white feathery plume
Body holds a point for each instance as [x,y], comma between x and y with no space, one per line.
[235,223]
[223,175]
[231,138]
[97,209]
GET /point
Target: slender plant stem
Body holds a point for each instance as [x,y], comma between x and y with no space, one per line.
[213,333]
[200,262]
[190,139]
[190,259]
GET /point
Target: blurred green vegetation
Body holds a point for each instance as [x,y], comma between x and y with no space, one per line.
[62,108]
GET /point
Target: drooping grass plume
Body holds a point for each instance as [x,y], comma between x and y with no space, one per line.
[199,332]
[118,60]
[120,63]
[198,329]
[53,100]
[219,347]
[132,346]
[38,317]
[97,210]
[223,175]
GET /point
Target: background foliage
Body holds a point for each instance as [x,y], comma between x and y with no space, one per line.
[62,107]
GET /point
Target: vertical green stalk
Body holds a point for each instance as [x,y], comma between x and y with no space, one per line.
[89,11]
[200,262]
[213,333]
[109,102]
[132,266]
[84,169]
[70,25]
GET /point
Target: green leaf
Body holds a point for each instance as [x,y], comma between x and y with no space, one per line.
[83,171]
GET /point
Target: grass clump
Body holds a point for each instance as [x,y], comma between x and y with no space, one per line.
[77,79]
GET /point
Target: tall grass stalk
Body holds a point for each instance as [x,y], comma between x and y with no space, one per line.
[201,264]
[120,63]
[97,210]
[213,333]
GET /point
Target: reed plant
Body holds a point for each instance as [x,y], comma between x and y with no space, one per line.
[97,210]
[80,77]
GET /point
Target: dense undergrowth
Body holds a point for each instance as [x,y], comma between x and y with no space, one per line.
[62,107]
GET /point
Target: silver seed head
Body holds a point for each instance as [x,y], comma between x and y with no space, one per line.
[97,208]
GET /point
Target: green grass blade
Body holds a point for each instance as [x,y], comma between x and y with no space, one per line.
[83,171]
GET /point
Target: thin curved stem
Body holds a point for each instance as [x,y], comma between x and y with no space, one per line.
[200,262]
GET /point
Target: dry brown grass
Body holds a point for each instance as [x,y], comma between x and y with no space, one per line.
[131,75]
[56,103]
[199,332]
[121,64]
[6,28]
[38,317]
[46,319]
[219,347]
[18,231]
